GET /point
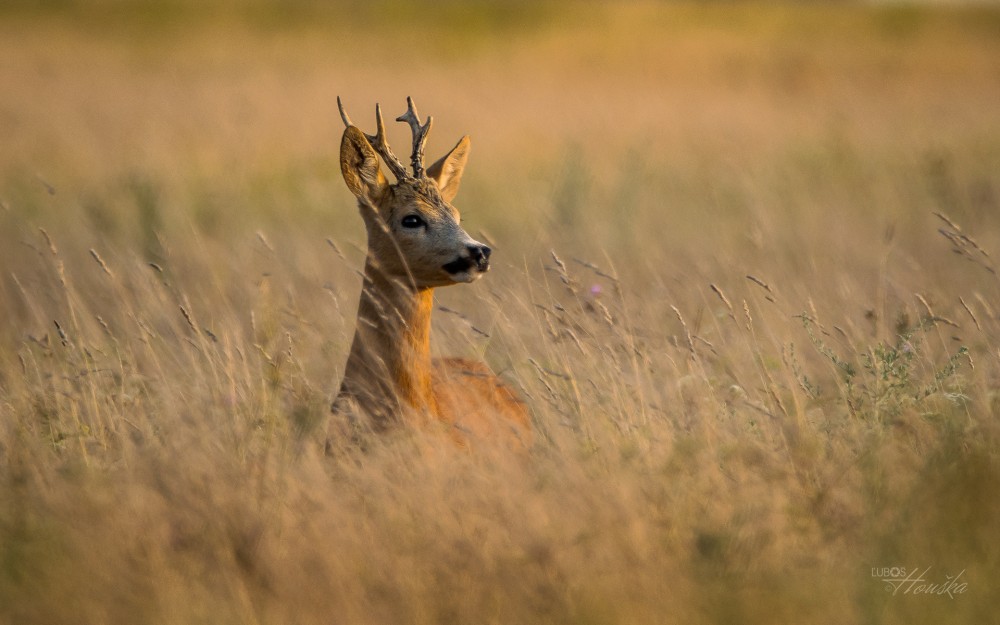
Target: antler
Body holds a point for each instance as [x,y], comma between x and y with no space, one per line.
[381,146]
[379,142]
[419,135]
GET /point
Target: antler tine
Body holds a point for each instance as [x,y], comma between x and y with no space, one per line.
[378,141]
[343,113]
[381,145]
[419,135]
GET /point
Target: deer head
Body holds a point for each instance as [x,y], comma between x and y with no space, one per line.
[414,233]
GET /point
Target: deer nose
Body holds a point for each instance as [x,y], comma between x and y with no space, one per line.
[480,255]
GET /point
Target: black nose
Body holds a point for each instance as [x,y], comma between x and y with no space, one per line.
[480,255]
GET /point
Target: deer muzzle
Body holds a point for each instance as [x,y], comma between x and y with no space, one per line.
[476,260]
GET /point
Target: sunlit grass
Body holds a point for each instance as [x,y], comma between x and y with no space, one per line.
[745,278]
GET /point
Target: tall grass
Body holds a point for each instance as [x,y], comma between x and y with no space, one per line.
[746,281]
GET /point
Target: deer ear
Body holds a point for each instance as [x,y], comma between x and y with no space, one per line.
[447,171]
[359,163]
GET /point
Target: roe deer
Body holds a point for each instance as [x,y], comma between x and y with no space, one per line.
[415,243]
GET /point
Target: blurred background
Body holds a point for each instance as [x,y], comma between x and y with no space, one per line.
[588,118]
[723,130]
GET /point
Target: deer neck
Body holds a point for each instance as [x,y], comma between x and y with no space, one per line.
[389,367]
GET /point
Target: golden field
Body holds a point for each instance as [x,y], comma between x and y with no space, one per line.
[745,276]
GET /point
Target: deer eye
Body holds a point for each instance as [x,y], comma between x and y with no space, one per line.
[412,221]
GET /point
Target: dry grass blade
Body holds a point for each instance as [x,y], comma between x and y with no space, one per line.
[100,261]
[687,334]
[972,315]
[725,300]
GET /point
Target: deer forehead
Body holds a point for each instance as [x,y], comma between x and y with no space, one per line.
[423,197]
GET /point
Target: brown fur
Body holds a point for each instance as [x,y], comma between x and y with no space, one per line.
[478,405]
[390,378]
